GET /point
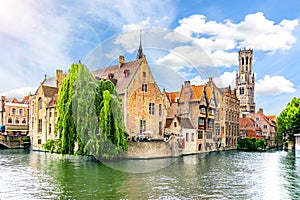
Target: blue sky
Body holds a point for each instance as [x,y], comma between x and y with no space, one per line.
[38,37]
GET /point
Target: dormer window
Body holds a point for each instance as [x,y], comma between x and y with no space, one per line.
[110,75]
[126,73]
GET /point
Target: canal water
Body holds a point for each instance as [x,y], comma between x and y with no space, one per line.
[272,175]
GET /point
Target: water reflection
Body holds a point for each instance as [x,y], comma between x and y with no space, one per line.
[222,175]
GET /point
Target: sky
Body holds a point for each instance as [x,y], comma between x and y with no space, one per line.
[182,40]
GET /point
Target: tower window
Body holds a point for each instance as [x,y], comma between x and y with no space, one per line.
[241,90]
[242,61]
[247,60]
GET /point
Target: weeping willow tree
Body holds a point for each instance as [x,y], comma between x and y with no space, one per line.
[90,118]
[288,121]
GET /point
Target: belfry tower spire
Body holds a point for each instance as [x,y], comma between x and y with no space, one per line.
[245,82]
[140,53]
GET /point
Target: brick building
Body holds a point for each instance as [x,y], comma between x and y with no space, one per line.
[14,116]
[42,110]
[267,125]
[144,105]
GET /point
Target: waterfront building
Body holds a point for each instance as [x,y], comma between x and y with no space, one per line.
[183,129]
[14,116]
[42,110]
[249,128]
[144,105]
[267,125]
[297,145]
[245,82]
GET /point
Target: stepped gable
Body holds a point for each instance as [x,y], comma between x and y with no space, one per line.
[122,73]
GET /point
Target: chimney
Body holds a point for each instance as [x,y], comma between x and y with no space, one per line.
[59,78]
[121,60]
[261,111]
[187,83]
[210,80]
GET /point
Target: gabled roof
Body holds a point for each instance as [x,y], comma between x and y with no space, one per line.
[25,98]
[246,122]
[272,117]
[197,92]
[183,122]
[118,73]
[172,96]
[49,91]
[50,82]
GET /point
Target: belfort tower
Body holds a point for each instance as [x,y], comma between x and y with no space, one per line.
[245,82]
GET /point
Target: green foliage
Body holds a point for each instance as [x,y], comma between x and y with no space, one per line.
[52,146]
[251,144]
[90,117]
[26,139]
[288,122]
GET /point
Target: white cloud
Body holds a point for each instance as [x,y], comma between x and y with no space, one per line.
[274,85]
[226,79]
[254,31]
[220,40]
[19,93]
[39,36]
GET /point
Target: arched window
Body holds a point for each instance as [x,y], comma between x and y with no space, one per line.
[17,121]
[13,111]
[9,120]
[40,103]
[242,61]
[24,121]
[247,60]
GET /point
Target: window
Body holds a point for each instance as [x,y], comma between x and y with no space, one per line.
[144,74]
[202,110]
[40,103]
[40,125]
[151,108]
[142,126]
[24,121]
[50,114]
[50,128]
[39,141]
[201,121]
[257,119]
[160,127]
[200,135]
[144,87]
[187,137]
[208,135]
[13,111]
[265,126]
[17,121]
[212,111]
[243,61]
[192,137]
[241,90]
[217,129]
[210,123]
[9,120]
[159,109]
[21,111]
